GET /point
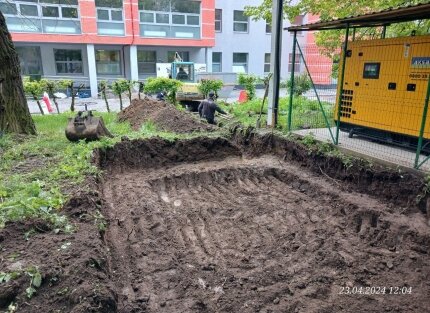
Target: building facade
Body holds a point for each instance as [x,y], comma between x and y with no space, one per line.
[243,45]
[89,41]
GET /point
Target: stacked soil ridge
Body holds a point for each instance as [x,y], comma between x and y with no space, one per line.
[164,115]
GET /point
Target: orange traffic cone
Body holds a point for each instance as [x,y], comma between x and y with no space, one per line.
[243,96]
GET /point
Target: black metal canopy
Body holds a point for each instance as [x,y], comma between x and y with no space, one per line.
[380,18]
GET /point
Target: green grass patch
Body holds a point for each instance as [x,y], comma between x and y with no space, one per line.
[306,113]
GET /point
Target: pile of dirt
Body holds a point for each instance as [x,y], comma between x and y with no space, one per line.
[164,115]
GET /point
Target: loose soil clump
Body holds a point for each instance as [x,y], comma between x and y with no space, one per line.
[164,115]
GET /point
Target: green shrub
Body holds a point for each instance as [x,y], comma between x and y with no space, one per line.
[161,84]
[248,82]
[207,85]
[302,83]
[35,89]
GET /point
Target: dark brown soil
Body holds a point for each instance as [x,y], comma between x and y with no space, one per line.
[251,224]
[73,266]
[254,234]
[164,115]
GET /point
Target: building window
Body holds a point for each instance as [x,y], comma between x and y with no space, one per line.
[218,20]
[170,18]
[185,56]
[217,62]
[43,16]
[267,63]
[108,62]
[147,62]
[240,21]
[110,19]
[240,62]
[268,28]
[68,61]
[296,63]
[30,60]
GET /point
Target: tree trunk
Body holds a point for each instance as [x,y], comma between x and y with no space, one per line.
[72,91]
[14,113]
[120,102]
[54,98]
[106,100]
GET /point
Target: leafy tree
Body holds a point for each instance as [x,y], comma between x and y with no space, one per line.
[14,113]
[35,89]
[249,82]
[52,88]
[74,90]
[330,41]
[119,87]
[103,87]
[207,85]
[161,84]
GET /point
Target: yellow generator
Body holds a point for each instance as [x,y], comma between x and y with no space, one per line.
[384,89]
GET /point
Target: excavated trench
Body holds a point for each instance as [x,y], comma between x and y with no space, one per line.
[247,225]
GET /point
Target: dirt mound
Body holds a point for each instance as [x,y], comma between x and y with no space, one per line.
[164,115]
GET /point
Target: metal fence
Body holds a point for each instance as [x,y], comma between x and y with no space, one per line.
[382,108]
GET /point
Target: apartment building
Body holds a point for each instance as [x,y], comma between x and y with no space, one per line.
[89,41]
[243,45]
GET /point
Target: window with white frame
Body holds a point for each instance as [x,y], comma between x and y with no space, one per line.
[147,62]
[218,20]
[170,18]
[185,56]
[240,21]
[45,16]
[110,19]
[68,61]
[240,62]
[108,62]
[216,61]
[267,63]
[297,62]
[30,60]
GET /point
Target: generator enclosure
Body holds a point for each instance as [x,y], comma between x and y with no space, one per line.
[384,89]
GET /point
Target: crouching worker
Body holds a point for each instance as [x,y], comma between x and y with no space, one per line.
[208,107]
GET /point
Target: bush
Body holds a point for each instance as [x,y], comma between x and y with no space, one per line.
[248,82]
[207,85]
[161,84]
[302,83]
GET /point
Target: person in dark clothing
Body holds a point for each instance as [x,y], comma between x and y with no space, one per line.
[161,96]
[182,75]
[208,107]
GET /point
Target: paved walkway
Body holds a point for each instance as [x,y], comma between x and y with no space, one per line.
[388,153]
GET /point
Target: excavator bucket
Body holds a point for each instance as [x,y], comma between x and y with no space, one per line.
[86,126]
